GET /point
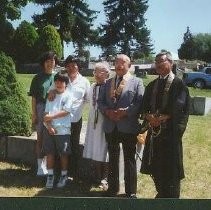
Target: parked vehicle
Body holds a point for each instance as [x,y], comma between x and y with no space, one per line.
[198,79]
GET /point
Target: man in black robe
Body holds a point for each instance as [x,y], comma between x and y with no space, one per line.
[166,111]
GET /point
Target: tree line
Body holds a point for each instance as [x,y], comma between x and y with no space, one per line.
[65,21]
[195,47]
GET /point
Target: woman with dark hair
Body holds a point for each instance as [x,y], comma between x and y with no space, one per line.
[38,90]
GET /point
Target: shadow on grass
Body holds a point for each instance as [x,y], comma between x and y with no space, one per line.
[20,176]
[82,189]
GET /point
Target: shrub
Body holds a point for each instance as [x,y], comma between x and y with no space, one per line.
[49,40]
[6,34]
[14,108]
[25,39]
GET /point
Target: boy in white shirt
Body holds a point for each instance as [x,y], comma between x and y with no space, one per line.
[57,132]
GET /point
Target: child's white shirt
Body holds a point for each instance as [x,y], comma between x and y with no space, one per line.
[61,102]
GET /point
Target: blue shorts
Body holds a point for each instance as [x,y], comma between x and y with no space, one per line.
[56,144]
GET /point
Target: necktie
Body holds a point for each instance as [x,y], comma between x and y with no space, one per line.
[118,80]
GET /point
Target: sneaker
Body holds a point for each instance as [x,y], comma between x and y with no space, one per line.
[50,181]
[41,172]
[62,181]
[104,185]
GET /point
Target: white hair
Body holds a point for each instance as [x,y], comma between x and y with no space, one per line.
[123,57]
[102,66]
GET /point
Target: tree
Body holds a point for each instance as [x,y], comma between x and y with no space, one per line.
[14,107]
[203,46]
[6,34]
[49,39]
[187,49]
[24,42]
[11,9]
[125,27]
[109,51]
[73,19]
[195,47]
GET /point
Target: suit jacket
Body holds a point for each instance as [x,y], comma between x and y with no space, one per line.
[130,98]
[167,147]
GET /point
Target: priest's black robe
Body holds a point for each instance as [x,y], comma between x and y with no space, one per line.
[167,156]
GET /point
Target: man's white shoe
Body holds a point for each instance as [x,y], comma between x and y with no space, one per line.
[62,181]
[50,181]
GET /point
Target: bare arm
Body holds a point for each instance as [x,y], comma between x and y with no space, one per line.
[50,117]
[49,127]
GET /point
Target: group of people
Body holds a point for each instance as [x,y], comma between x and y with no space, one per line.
[117,103]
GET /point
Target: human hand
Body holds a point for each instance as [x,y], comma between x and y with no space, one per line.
[51,95]
[153,120]
[111,114]
[120,113]
[51,130]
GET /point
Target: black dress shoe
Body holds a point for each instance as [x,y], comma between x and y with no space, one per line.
[131,196]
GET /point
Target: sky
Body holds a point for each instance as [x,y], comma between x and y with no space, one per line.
[166,19]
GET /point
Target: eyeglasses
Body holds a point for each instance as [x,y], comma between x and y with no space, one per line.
[161,61]
[99,72]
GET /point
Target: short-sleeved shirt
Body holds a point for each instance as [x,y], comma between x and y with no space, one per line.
[40,85]
[61,102]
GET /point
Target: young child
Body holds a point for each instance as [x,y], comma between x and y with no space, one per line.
[95,147]
[57,133]
[38,90]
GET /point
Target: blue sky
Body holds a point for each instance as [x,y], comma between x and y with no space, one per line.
[166,19]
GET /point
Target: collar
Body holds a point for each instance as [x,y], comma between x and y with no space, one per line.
[160,77]
[125,77]
[77,79]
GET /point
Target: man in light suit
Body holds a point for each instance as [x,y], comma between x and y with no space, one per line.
[120,102]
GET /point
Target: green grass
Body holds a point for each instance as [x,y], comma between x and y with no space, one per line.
[19,180]
[25,80]
[197,92]
[197,162]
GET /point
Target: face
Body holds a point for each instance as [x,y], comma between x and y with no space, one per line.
[72,68]
[100,75]
[49,65]
[60,86]
[163,65]
[122,65]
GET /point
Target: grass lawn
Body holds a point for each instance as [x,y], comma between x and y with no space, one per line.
[19,180]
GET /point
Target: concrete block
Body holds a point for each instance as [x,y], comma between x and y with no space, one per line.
[197,106]
[207,105]
[200,105]
[21,149]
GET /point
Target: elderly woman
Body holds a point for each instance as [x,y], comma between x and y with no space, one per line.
[95,147]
